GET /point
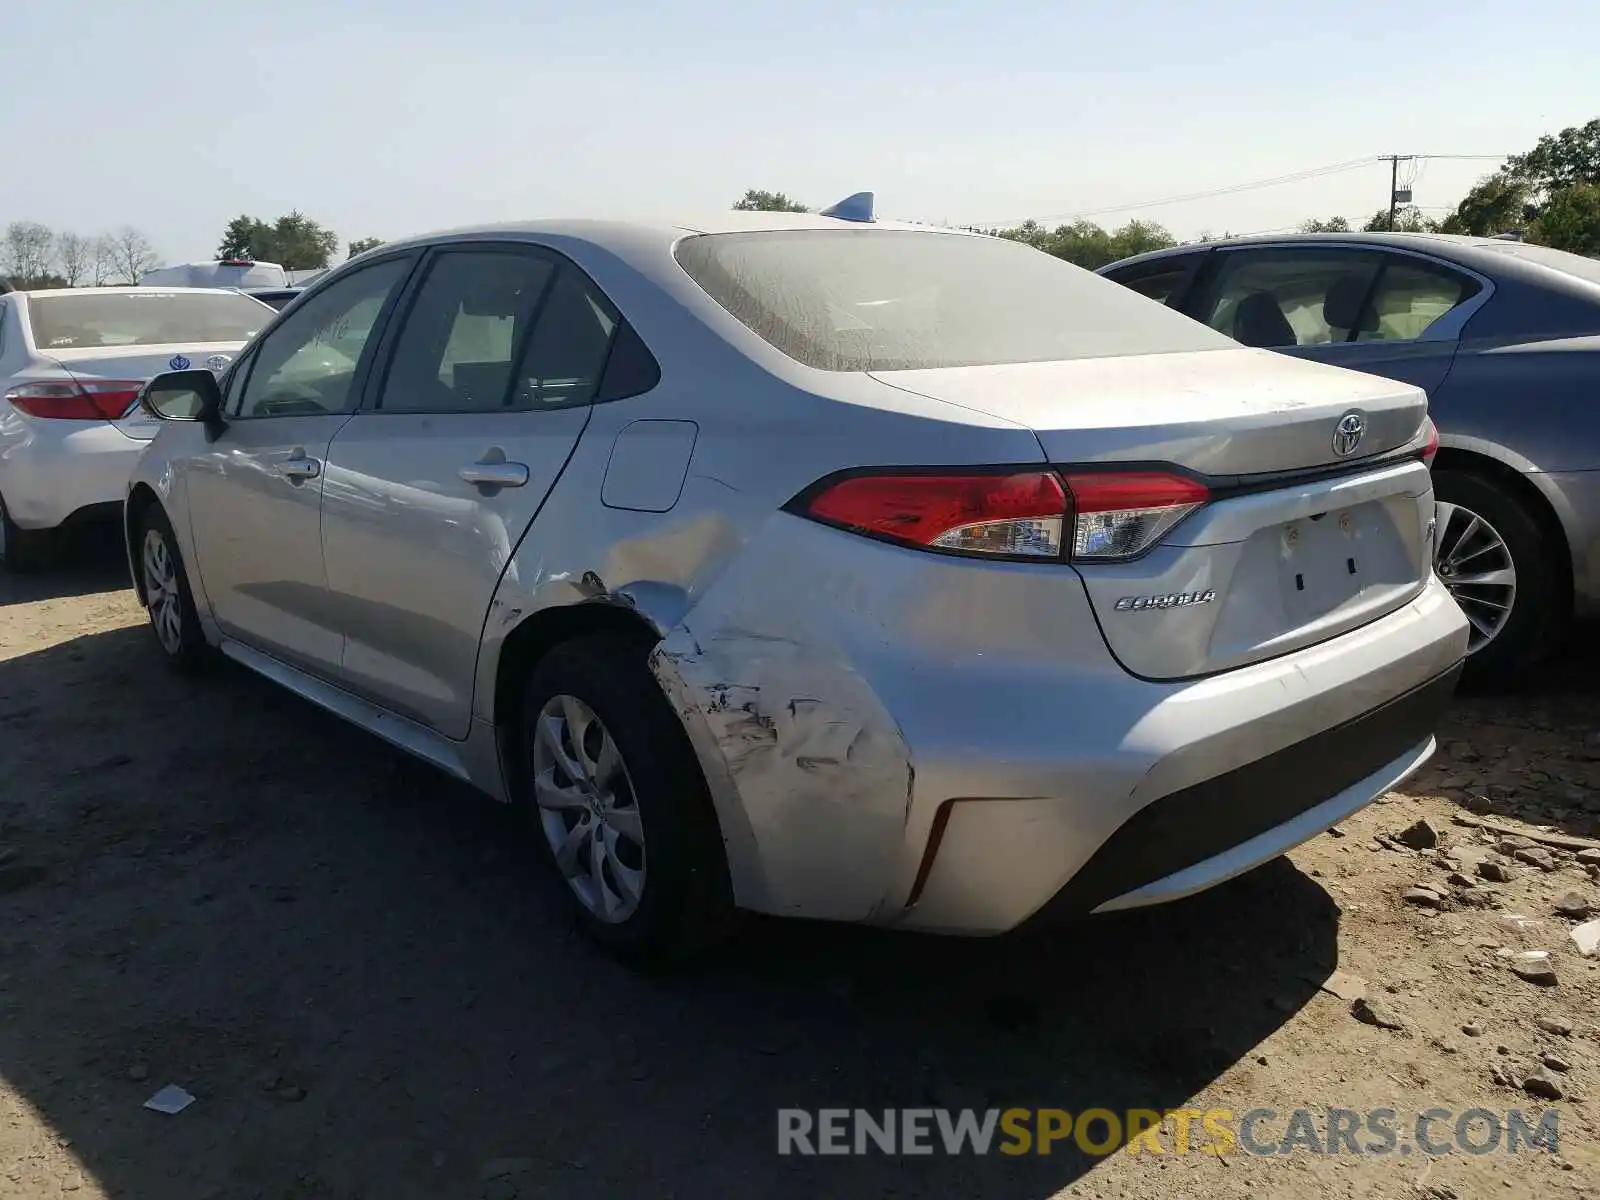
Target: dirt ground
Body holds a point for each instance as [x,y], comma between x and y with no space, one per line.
[351,964]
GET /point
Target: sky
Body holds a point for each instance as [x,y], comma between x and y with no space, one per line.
[381,118]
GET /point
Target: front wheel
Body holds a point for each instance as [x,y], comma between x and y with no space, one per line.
[1491,553]
[168,601]
[617,798]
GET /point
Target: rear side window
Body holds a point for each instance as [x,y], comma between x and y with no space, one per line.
[885,300]
[1158,283]
[1411,296]
[143,319]
[1276,298]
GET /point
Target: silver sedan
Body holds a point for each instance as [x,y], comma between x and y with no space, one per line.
[814,565]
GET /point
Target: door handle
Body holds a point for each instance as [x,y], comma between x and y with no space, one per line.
[300,467]
[495,474]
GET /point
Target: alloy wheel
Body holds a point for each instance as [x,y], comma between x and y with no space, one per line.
[588,809]
[1474,562]
[162,596]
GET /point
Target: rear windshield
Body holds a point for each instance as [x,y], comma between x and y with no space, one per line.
[143,319]
[1557,260]
[890,300]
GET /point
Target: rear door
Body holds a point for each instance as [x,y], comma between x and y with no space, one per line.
[255,494]
[432,484]
[1393,314]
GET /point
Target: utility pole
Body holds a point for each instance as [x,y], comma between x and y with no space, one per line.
[1394,186]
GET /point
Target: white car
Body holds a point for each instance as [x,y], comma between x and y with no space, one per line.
[72,361]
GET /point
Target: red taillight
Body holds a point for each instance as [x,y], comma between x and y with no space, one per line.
[65,399]
[1005,515]
[1432,447]
[1092,516]
[1123,513]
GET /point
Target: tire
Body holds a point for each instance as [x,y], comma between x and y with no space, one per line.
[168,601]
[24,550]
[676,873]
[1537,607]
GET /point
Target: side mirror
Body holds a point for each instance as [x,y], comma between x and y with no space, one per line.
[185,396]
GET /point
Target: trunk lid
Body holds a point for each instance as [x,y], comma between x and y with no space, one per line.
[143,363]
[1299,542]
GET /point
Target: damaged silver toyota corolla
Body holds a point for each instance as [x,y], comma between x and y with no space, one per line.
[814,565]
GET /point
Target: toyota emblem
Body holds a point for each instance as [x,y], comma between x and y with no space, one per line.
[1347,434]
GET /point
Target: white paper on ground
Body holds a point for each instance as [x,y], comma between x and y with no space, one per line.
[171,1099]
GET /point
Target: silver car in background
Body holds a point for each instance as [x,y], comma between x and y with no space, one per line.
[72,361]
[814,566]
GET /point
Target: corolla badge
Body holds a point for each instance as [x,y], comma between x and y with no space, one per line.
[1169,600]
[179,363]
[218,363]
[1347,434]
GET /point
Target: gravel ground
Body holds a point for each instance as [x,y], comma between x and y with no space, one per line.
[349,963]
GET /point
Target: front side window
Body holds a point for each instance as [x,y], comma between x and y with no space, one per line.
[1277,298]
[130,318]
[885,299]
[308,364]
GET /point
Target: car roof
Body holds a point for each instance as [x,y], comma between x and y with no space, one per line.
[604,232]
[117,290]
[1472,251]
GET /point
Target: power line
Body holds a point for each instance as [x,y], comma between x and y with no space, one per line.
[1233,189]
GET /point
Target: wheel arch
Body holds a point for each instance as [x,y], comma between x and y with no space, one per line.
[140,499]
[1517,484]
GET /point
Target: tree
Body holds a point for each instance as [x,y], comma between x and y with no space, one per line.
[294,241]
[756,200]
[1562,160]
[76,254]
[1571,220]
[102,260]
[1407,219]
[1331,225]
[29,251]
[1087,244]
[362,245]
[132,255]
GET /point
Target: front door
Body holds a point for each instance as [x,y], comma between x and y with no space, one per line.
[255,494]
[430,487]
[1367,309]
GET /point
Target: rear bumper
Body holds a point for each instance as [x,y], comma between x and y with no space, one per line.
[927,742]
[48,475]
[1198,837]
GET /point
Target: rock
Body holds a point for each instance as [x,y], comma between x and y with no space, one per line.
[138,1073]
[1498,1074]
[1421,836]
[1373,1012]
[499,1168]
[1586,938]
[1461,752]
[1535,966]
[1422,896]
[1575,905]
[1511,843]
[1536,856]
[1559,1026]
[1495,871]
[1472,1029]
[1448,1047]
[1345,986]
[290,1093]
[1556,1063]
[1480,804]
[1543,1085]
[1477,897]
[1336,832]
[1457,879]
[1590,856]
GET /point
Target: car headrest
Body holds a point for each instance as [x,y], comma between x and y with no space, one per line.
[1259,321]
[1341,308]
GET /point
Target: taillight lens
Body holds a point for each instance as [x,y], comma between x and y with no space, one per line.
[86,400]
[1432,447]
[1088,517]
[1006,515]
[1121,514]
